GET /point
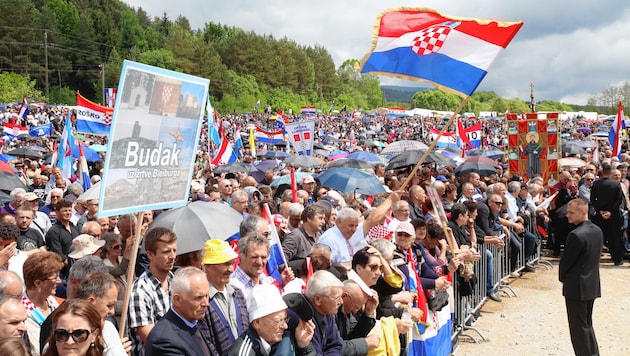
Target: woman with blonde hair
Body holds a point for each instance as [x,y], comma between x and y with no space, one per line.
[77,330]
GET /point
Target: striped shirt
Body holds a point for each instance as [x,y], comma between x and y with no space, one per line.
[148,303]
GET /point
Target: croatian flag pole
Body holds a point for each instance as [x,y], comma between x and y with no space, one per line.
[452,53]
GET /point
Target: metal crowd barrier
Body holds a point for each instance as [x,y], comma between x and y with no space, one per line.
[466,309]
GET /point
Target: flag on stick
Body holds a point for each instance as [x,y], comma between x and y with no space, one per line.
[452,53]
[615,133]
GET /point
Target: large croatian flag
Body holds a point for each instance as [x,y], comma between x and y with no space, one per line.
[452,53]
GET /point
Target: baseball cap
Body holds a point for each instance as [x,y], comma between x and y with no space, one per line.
[280,222]
[308,179]
[406,227]
[441,178]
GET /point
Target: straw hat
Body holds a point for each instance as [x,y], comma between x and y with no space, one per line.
[85,245]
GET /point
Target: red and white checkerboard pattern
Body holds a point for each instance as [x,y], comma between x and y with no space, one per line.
[430,40]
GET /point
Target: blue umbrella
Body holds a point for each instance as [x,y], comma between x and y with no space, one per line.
[286,179]
[6,158]
[90,154]
[351,180]
[366,156]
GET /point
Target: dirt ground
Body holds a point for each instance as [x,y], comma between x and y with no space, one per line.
[535,322]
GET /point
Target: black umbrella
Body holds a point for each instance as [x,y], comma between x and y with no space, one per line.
[25,152]
[411,158]
[351,163]
[484,169]
[235,167]
[9,181]
[573,148]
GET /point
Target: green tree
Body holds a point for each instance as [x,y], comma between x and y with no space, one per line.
[14,86]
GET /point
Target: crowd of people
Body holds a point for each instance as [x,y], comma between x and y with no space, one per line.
[360,272]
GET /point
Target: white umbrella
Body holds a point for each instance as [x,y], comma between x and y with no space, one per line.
[402,146]
[92,193]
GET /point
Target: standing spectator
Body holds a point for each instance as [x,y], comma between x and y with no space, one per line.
[59,237]
[606,198]
[190,290]
[80,321]
[17,199]
[150,291]
[226,317]
[579,274]
[12,317]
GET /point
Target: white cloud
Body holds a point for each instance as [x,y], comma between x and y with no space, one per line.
[570,51]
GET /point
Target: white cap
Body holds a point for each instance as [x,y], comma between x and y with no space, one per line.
[357,279]
[263,300]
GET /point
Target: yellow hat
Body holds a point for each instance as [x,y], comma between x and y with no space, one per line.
[217,251]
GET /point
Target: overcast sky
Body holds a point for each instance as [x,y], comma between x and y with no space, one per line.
[569,50]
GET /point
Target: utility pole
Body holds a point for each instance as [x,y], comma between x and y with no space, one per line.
[532,104]
[103,83]
[46,60]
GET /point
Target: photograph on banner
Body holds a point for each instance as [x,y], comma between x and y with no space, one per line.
[301,136]
[155,130]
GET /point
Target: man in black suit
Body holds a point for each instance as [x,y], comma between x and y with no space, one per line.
[606,199]
[176,333]
[579,274]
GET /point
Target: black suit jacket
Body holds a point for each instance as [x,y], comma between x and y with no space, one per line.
[171,336]
[579,266]
[606,195]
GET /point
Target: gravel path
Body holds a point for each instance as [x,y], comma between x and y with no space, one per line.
[535,322]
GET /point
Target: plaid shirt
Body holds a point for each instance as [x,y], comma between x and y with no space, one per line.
[148,303]
[239,279]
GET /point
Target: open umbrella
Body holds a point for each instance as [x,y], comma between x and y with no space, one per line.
[573,148]
[304,161]
[4,167]
[571,162]
[90,154]
[93,193]
[350,180]
[235,167]
[25,152]
[99,148]
[9,181]
[411,158]
[199,222]
[493,153]
[481,159]
[366,156]
[484,169]
[286,179]
[276,154]
[351,163]
[402,146]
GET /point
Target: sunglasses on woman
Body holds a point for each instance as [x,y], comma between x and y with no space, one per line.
[79,335]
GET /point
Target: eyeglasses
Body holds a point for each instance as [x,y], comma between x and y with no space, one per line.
[402,234]
[79,335]
[281,321]
[335,299]
[116,247]
[499,203]
[55,197]
[374,268]
[589,179]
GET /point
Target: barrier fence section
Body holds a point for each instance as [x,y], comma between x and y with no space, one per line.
[496,264]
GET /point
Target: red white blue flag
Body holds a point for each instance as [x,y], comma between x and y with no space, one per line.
[23,109]
[269,137]
[65,150]
[225,154]
[93,118]
[84,176]
[276,255]
[616,131]
[452,53]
